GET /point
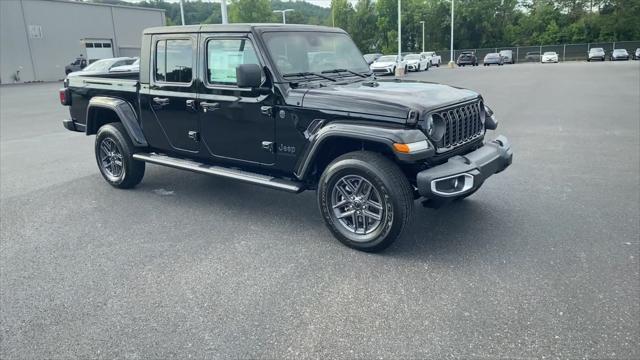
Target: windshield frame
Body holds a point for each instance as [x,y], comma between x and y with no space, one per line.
[278,75]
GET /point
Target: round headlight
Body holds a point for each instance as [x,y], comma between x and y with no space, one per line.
[429,126]
[435,127]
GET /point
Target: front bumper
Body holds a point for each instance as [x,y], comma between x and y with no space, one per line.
[463,174]
[413,67]
[382,71]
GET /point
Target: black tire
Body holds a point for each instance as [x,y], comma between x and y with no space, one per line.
[131,171]
[388,189]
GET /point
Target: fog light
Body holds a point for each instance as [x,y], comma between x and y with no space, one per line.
[452,185]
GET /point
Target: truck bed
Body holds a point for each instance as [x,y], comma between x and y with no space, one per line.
[84,88]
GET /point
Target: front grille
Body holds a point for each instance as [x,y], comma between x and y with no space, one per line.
[463,124]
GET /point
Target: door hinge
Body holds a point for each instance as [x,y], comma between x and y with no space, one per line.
[266,110]
[194,135]
[268,145]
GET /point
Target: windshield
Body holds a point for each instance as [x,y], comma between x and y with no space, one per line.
[619,51]
[506,52]
[412,57]
[549,53]
[100,65]
[301,52]
[597,50]
[387,58]
[429,53]
[493,55]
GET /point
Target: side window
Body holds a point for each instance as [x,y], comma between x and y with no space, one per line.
[224,55]
[174,61]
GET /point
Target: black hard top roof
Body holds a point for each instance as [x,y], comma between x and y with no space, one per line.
[227,28]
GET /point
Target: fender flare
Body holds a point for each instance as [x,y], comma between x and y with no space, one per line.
[123,110]
[386,136]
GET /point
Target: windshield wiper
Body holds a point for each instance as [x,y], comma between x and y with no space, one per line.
[337,71]
[306,74]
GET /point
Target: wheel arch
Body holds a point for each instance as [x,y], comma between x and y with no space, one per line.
[338,138]
[103,110]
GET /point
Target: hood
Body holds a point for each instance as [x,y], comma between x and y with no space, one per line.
[383,64]
[389,99]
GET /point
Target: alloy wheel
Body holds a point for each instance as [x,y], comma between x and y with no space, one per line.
[111,159]
[357,205]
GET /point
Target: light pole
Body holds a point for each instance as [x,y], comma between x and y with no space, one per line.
[223,11]
[422,22]
[451,57]
[398,70]
[284,20]
[182,12]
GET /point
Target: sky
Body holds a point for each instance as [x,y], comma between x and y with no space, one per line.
[323,3]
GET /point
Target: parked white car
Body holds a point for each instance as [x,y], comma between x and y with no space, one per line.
[103,66]
[416,62]
[387,64]
[135,67]
[434,59]
[549,57]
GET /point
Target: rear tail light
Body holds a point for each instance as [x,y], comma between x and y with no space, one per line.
[65,96]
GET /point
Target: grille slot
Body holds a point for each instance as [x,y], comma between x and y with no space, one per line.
[462,124]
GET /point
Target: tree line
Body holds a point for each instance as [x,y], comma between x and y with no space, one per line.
[477,24]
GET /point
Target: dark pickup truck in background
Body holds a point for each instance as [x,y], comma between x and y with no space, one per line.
[246,102]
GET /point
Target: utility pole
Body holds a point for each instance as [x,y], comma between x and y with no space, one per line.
[333,16]
[451,62]
[398,70]
[422,22]
[284,19]
[223,10]
[182,12]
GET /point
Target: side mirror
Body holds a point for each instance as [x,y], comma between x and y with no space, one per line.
[248,76]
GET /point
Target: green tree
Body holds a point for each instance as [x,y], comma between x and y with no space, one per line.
[342,14]
[250,11]
[364,33]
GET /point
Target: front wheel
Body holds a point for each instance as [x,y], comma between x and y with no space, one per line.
[114,155]
[365,200]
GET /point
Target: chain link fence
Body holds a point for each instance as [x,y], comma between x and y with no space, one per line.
[566,52]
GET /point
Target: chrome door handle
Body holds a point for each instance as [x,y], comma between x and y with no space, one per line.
[207,106]
[191,105]
[161,101]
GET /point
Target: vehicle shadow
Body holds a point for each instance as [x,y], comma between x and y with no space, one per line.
[457,228]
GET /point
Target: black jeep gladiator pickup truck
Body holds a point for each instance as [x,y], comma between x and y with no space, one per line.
[290,107]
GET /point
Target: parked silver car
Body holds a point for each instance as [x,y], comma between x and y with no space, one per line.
[493,58]
[596,54]
[507,56]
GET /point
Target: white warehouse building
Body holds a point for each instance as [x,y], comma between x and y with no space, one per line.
[38,38]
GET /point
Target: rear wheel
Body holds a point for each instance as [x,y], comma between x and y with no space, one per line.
[365,200]
[114,155]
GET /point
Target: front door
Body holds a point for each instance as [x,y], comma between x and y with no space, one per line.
[171,97]
[235,124]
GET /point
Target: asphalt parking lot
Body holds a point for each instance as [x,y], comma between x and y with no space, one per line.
[542,262]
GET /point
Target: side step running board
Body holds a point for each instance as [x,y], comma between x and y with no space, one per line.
[253,178]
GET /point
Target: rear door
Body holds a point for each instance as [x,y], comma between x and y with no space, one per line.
[172,93]
[235,123]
